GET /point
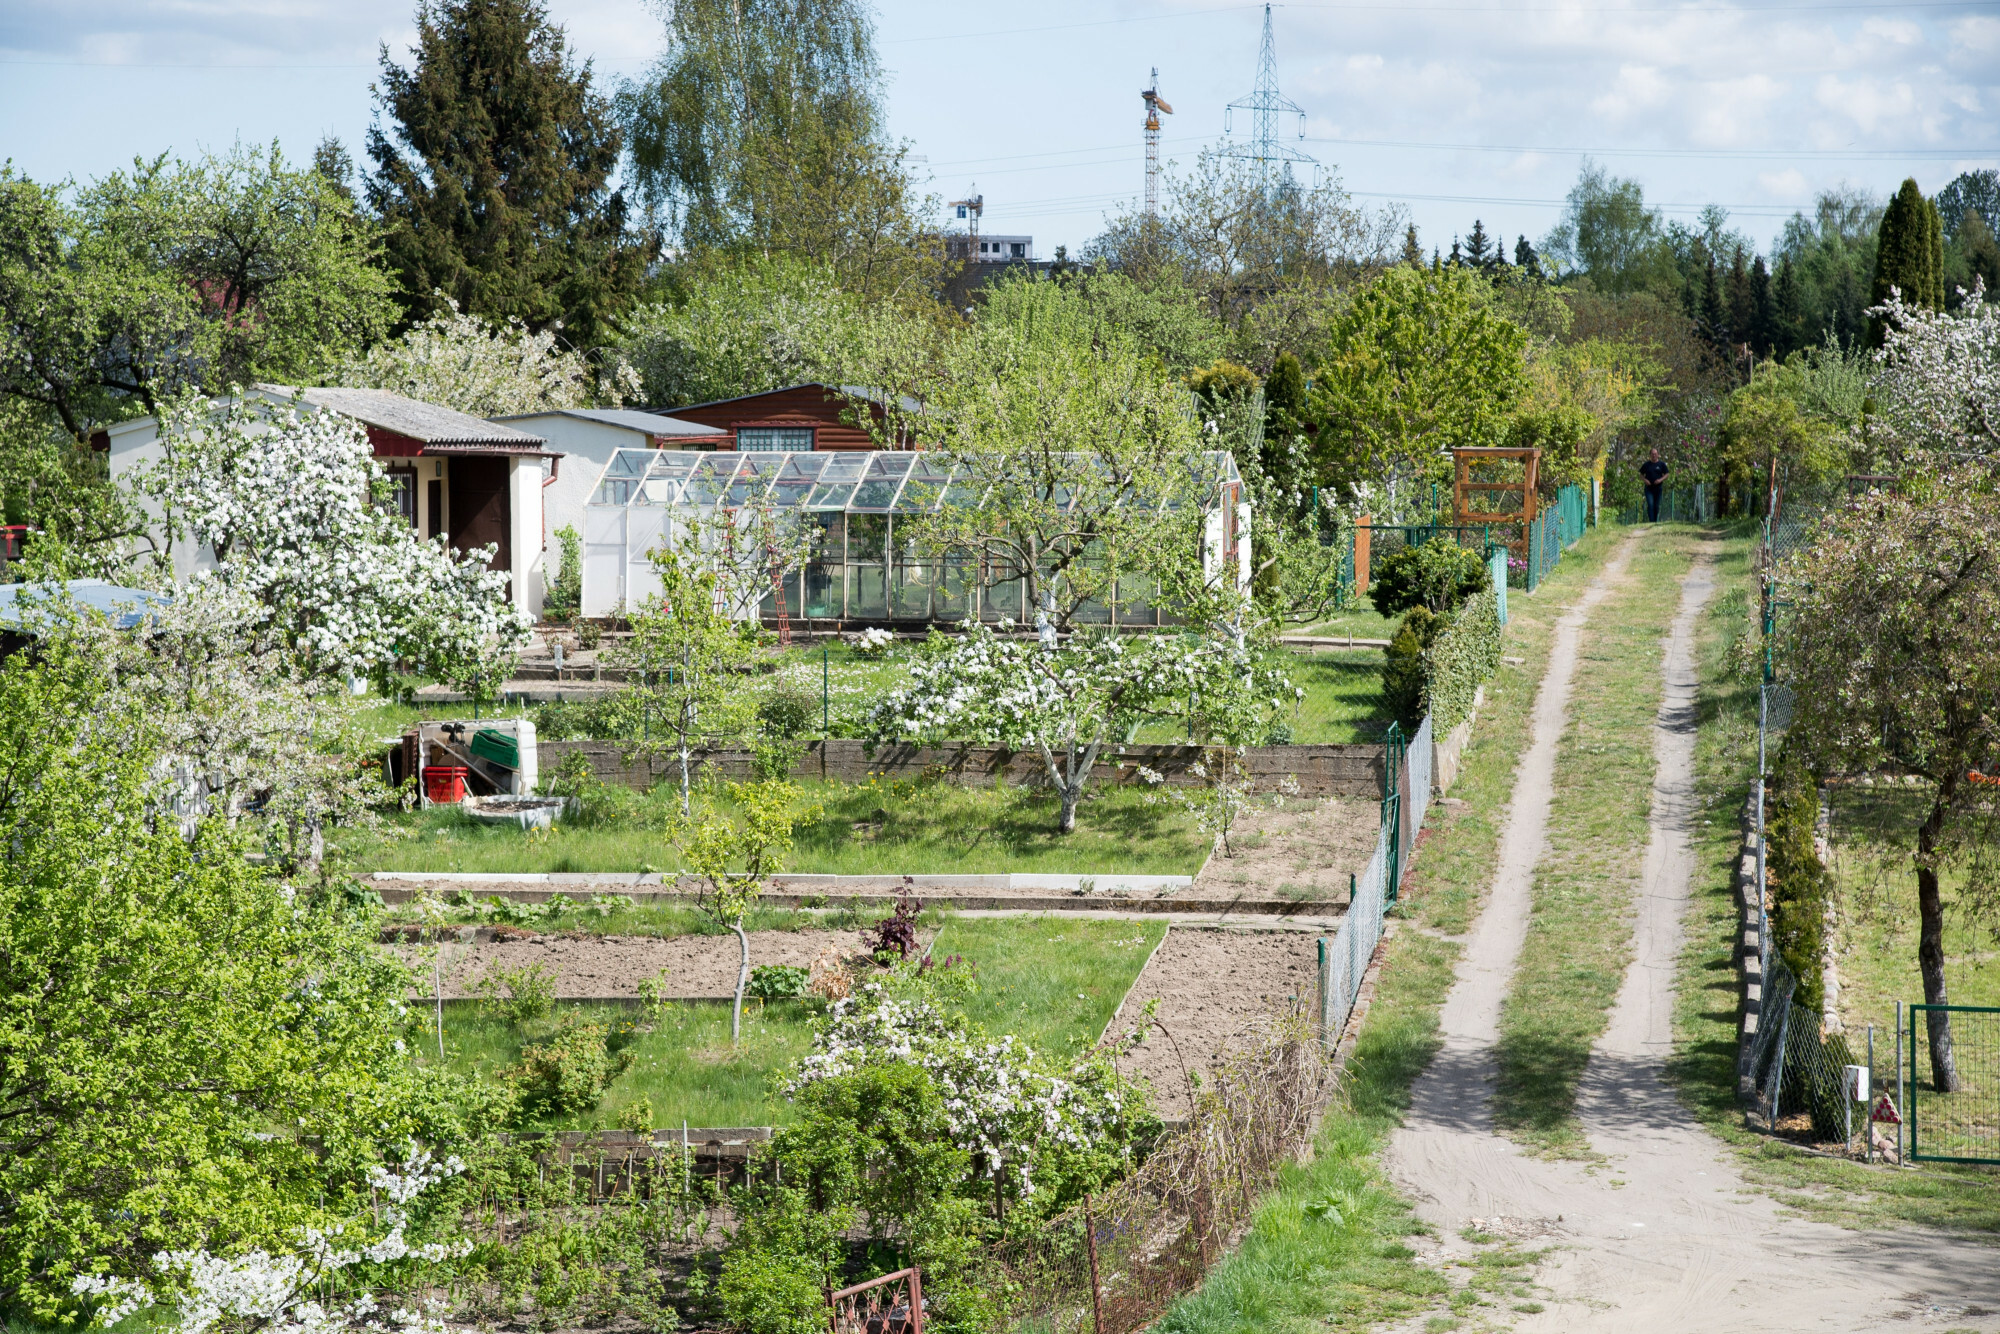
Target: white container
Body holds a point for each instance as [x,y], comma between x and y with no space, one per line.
[1856,1079]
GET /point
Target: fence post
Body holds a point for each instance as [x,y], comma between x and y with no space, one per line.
[1096,1288]
[1326,990]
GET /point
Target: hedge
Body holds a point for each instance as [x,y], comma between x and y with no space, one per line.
[1462,658]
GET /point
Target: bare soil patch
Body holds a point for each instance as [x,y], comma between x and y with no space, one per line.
[592,967]
[1304,850]
[1214,988]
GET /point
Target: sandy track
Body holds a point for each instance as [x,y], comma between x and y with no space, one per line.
[1663,1236]
[1214,988]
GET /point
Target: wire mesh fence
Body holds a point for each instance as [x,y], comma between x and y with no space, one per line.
[1681,504]
[1952,1097]
[1114,1263]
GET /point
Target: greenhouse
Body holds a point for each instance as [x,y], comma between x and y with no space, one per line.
[864,573]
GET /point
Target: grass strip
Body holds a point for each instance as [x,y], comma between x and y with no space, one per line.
[1579,938]
[1703,1066]
[880,827]
[1296,1268]
[1052,981]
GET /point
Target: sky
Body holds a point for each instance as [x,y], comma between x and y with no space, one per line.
[1451,111]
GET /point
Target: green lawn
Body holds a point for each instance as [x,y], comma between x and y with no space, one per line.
[1054,982]
[874,828]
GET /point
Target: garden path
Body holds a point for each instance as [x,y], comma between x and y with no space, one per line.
[1662,1234]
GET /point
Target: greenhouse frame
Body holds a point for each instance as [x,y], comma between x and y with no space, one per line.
[864,575]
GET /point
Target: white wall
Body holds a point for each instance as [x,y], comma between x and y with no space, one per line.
[524,535]
[134,443]
[586,447]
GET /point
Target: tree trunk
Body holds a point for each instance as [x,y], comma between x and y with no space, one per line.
[686,786]
[742,980]
[1930,950]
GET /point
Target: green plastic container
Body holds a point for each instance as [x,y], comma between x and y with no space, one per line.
[496,748]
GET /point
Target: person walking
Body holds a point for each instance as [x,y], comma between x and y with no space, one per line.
[1655,474]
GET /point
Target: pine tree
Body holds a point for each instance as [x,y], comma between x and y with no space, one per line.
[1478,247]
[1284,456]
[1525,257]
[1741,302]
[1456,258]
[1790,319]
[1412,252]
[492,180]
[1763,333]
[1711,308]
[1909,255]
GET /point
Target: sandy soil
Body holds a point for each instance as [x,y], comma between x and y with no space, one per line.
[1663,1236]
[598,967]
[1304,850]
[1213,987]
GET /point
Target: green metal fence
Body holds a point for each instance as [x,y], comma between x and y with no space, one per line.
[1962,1126]
[1555,530]
[1684,504]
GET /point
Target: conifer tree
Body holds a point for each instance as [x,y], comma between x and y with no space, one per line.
[1478,248]
[1741,301]
[1791,333]
[1909,255]
[1456,257]
[1711,307]
[492,176]
[1285,423]
[1526,258]
[1762,334]
[1413,253]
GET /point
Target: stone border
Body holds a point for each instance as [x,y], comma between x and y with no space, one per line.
[1749,948]
[1022,903]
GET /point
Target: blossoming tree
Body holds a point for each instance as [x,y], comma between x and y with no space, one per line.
[1069,699]
[287,500]
[1937,385]
[489,370]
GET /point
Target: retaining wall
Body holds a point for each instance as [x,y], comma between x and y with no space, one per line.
[1319,771]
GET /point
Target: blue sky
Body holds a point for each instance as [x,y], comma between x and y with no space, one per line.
[1455,110]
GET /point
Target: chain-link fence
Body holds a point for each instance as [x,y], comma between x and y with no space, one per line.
[1795,1065]
[1954,1047]
[1114,1263]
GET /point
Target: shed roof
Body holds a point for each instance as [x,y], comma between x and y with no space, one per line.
[427,422]
[853,391]
[632,419]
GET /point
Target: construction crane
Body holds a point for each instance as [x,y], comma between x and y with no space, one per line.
[970,208]
[1155,107]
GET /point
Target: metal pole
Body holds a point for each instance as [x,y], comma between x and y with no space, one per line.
[1868,1126]
[1096,1291]
[825,691]
[1900,1113]
[1325,991]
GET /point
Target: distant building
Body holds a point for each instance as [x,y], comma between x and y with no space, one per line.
[796,419]
[467,480]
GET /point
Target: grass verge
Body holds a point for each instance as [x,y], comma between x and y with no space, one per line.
[1295,1270]
[1578,944]
[1703,1066]
[873,828]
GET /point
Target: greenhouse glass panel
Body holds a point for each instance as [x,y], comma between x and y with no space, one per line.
[645,498]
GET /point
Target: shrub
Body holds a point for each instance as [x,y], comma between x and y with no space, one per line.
[781,1261]
[597,802]
[1403,667]
[1438,575]
[565,594]
[787,710]
[1801,889]
[530,992]
[568,1073]
[896,934]
[1462,653]
[778,981]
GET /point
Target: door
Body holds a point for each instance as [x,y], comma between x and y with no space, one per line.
[477,507]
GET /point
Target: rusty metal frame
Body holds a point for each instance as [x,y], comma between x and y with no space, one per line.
[860,1309]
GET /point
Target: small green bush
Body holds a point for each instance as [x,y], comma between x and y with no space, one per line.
[778,981]
[565,595]
[787,710]
[597,802]
[1439,575]
[1801,889]
[530,992]
[1403,667]
[567,1074]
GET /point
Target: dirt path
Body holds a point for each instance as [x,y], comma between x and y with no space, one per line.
[1661,1236]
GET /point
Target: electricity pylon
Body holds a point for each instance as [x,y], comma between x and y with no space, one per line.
[1266,105]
